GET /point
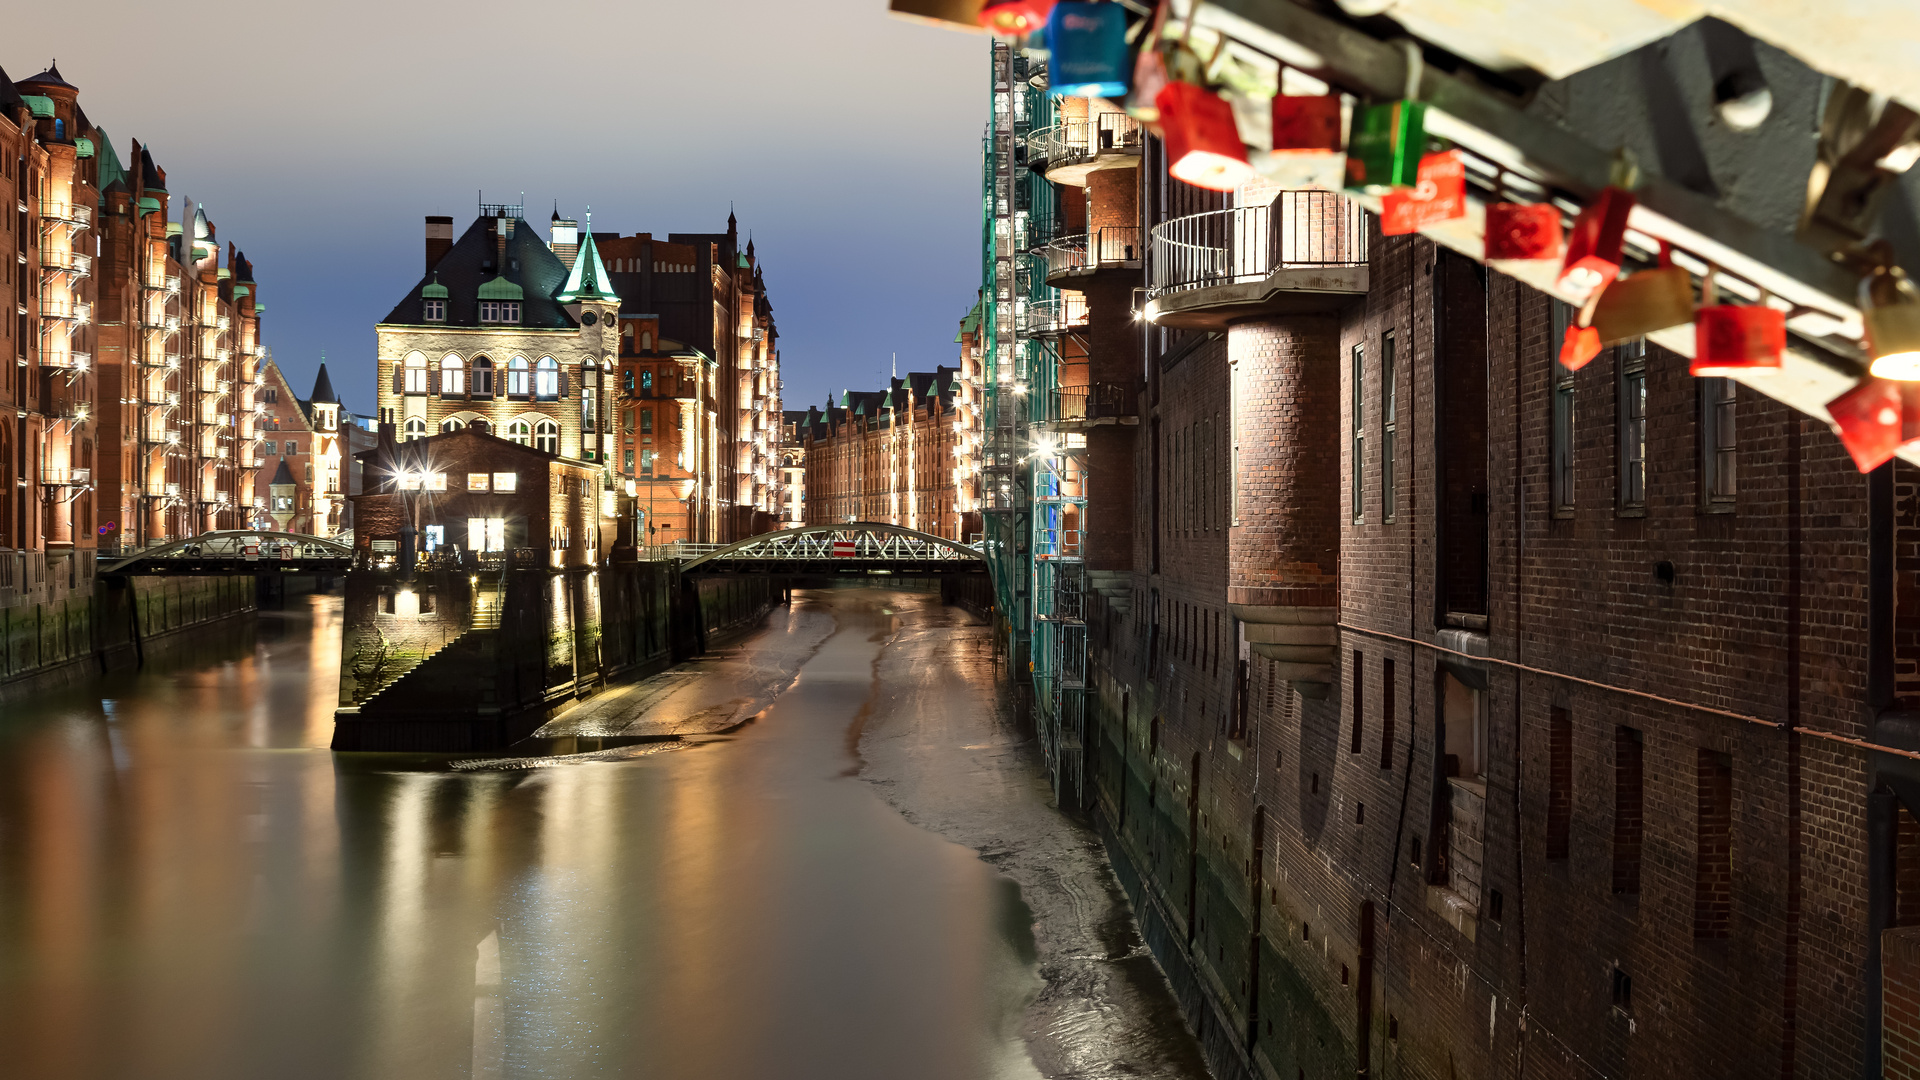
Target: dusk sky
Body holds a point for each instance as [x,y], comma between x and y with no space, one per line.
[319,136]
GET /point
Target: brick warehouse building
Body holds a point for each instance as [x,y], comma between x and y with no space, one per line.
[127,414]
[902,456]
[308,464]
[654,359]
[1448,713]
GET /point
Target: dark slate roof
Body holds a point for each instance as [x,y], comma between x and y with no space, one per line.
[9,96]
[150,178]
[323,388]
[51,77]
[282,475]
[469,263]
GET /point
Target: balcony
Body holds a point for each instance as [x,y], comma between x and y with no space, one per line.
[1068,152]
[77,216]
[1051,318]
[70,361]
[1307,252]
[1076,258]
[1076,408]
[66,262]
[166,324]
[223,323]
[68,311]
[169,284]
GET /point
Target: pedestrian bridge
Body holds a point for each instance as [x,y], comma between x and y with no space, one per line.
[237,552]
[856,547]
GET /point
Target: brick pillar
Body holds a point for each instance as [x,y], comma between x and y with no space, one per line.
[1283,548]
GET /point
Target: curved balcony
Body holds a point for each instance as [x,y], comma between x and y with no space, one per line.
[1051,318]
[67,214]
[1067,152]
[1306,252]
[66,262]
[1075,258]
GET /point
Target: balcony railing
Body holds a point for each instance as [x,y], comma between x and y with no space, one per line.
[1248,244]
[1076,141]
[76,361]
[1062,315]
[168,284]
[1102,401]
[68,261]
[1110,247]
[66,310]
[70,214]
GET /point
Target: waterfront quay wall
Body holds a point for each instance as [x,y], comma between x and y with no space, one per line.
[456,660]
[68,632]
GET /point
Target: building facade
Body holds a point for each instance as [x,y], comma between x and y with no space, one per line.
[653,360]
[1446,711]
[127,418]
[793,469]
[899,456]
[308,468]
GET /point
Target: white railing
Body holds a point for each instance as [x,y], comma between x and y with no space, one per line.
[1300,229]
[1075,141]
[1109,246]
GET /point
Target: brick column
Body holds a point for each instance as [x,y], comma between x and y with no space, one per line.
[1283,548]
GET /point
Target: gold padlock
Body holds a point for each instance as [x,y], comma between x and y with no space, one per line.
[1647,301]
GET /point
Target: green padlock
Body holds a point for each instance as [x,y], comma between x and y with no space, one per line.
[1384,146]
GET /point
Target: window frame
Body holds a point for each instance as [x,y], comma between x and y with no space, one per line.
[1630,428]
[1719,448]
[1564,412]
[434,311]
[1389,427]
[453,376]
[1359,429]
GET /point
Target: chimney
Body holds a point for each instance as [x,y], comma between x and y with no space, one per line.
[439,239]
[386,435]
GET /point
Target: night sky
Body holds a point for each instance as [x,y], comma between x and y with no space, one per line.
[319,136]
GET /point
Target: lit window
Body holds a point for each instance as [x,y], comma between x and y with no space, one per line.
[416,374]
[546,436]
[521,432]
[416,428]
[479,481]
[452,423]
[546,378]
[436,481]
[517,377]
[646,381]
[487,534]
[506,481]
[434,310]
[436,537]
[453,376]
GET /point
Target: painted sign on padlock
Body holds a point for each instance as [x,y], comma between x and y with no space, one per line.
[1440,194]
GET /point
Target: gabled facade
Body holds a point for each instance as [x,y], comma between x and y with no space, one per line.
[893,456]
[308,470]
[652,360]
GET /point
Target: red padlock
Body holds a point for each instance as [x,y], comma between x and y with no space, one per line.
[1594,245]
[1203,145]
[1440,195]
[1306,124]
[1015,18]
[1732,339]
[1523,231]
[1868,420]
[1581,345]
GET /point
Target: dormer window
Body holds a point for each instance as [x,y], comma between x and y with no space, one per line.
[433,310]
[500,311]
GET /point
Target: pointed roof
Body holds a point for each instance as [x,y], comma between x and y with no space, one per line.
[152,179]
[323,388]
[471,263]
[282,475]
[51,77]
[111,171]
[588,279]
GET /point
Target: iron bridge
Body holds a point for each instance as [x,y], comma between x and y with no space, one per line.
[237,552]
[857,547]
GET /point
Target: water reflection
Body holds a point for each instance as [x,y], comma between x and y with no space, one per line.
[192,886]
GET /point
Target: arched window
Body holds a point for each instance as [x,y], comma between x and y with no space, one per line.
[482,377]
[416,372]
[520,431]
[453,376]
[452,423]
[546,378]
[646,341]
[416,429]
[517,378]
[546,436]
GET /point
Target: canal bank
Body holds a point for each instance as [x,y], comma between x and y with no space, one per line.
[67,630]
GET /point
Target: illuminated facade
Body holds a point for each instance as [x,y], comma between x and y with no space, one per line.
[654,360]
[127,416]
[902,456]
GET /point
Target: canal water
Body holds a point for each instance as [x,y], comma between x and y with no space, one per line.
[860,877]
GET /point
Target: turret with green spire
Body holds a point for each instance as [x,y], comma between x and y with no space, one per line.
[588,280]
